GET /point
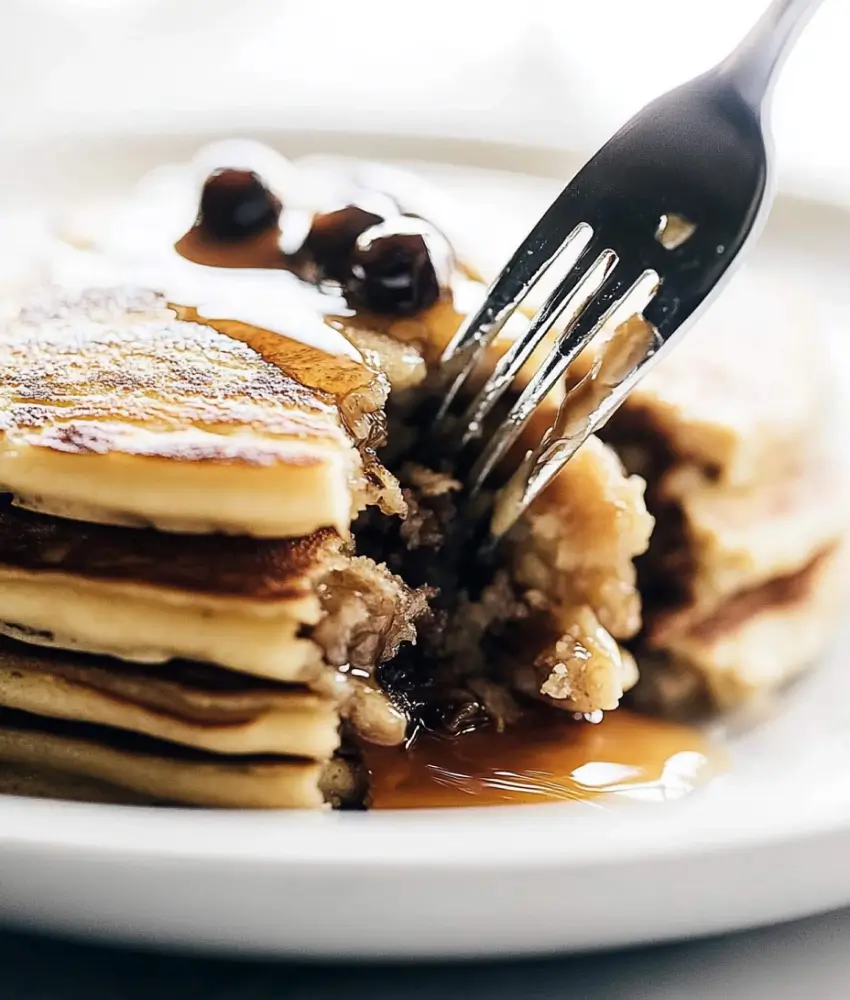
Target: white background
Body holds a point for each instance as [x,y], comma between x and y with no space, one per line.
[561,71]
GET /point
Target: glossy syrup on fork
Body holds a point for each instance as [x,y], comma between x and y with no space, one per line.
[546,757]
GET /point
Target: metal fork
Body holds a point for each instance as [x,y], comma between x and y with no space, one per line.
[653,225]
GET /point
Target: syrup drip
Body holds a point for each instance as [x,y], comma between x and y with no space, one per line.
[261,250]
[264,280]
[546,757]
[336,375]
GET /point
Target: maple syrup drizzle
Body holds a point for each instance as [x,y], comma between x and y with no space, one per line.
[546,757]
[260,282]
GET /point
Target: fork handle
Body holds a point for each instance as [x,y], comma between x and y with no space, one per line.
[754,65]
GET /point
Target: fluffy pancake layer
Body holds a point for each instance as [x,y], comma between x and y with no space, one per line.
[43,783]
[156,769]
[115,410]
[143,595]
[195,706]
[745,574]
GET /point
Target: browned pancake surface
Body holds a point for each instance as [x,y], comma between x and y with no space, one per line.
[123,739]
[115,370]
[184,689]
[263,569]
[789,591]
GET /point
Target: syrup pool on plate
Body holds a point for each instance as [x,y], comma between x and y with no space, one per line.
[546,757]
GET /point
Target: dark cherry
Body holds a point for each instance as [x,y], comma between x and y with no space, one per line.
[235,204]
[400,266]
[332,237]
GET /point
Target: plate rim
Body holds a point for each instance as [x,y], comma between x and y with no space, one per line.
[382,126]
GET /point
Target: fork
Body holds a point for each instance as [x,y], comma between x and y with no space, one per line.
[652,227]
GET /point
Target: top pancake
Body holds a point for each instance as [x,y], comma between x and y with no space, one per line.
[112,409]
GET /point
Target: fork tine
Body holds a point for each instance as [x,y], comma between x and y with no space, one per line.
[532,259]
[587,406]
[578,334]
[572,295]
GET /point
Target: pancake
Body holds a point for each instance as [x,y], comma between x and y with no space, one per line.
[148,596]
[35,783]
[730,540]
[141,595]
[188,704]
[754,643]
[147,625]
[243,558]
[274,608]
[743,580]
[159,770]
[114,410]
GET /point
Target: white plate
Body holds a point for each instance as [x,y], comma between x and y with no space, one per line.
[770,841]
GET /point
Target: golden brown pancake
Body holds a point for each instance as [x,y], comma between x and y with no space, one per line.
[189,704]
[141,594]
[243,568]
[157,769]
[743,580]
[270,608]
[115,410]
[41,783]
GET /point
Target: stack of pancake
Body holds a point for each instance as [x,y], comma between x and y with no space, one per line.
[183,612]
[141,649]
